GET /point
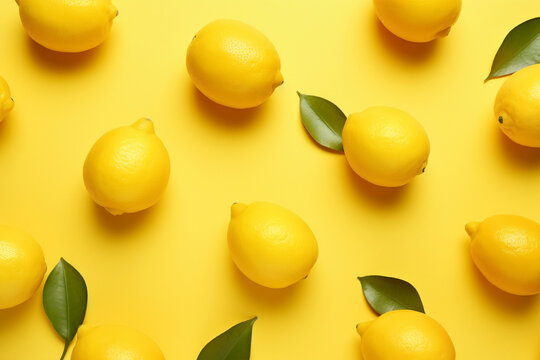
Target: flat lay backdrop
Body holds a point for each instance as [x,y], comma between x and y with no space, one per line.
[167,272]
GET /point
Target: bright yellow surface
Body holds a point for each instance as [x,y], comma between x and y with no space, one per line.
[167,271]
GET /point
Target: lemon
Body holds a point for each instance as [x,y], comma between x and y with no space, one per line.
[67,25]
[127,169]
[506,250]
[22,267]
[418,20]
[113,342]
[385,146]
[271,245]
[405,335]
[6,102]
[233,64]
[517,106]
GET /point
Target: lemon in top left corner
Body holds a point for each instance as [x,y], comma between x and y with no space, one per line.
[67,25]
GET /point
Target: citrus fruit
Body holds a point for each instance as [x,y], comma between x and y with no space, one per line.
[127,169]
[271,245]
[385,146]
[233,64]
[6,102]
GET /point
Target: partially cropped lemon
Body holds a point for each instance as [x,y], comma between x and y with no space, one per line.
[22,267]
[233,64]
[418,20]
[6,102]
[506,250]
[405,335]
[271,245]
[385,146]
[67,25]
[127,169]
[517,106]
[112,342]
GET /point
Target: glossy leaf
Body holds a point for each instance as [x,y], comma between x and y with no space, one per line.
[386,294]
[64,300]
[520,48]
[233,344]
[323,121]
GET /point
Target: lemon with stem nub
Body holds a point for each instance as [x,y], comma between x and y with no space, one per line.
[6,101]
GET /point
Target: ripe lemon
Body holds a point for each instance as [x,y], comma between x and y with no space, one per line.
[22,266]
[112,342]
[233,64]
[405,335]
[6,102]
[271,245]
[517,106]
[506,250]
[67,25]
[418,20]
[385,146]
[127,169]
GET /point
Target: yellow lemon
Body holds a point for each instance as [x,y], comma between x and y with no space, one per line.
[385,146]
[112,342]
[506,250]
[127,169]
[6,102]
[67,25]
[405,335]
[271,245]
[22,267]
[517,106]
[233,64]
[418,20]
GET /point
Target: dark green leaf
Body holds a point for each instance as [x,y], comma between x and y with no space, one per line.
[386,294]
[64,300]
[233,344]
[520,48]
[323,120]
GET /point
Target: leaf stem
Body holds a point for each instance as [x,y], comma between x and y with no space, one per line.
[65,350]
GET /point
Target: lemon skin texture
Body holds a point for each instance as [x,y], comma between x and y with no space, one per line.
[127,169]
[67,25]
[271,245]
[385,146]
[405,335]
[517,107]
[418,20]
[506,250]
[22,267]
[6,102]
[233,64]
[113,342]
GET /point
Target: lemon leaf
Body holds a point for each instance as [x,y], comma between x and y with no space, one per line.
[233,344]
[323,121]
[386,294]
[520,48]
[64,299]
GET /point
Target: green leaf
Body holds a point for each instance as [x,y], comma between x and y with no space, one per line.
[64,300]
[233,344]
[323,120]
[520,48]
[386,294]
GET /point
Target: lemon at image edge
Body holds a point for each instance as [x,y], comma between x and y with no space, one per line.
[6,101]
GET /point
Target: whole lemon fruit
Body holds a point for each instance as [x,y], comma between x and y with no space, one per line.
[506,250]
[385,146]
[233,64]
[67,25]
[127,169]
[271,245]
[517,106]
[405,335]
[6,101]
[22,267]
[418,20]
[113,342]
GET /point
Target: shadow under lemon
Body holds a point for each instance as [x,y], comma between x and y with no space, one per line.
[514,154]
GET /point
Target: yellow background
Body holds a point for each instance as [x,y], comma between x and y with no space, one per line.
[167,271]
